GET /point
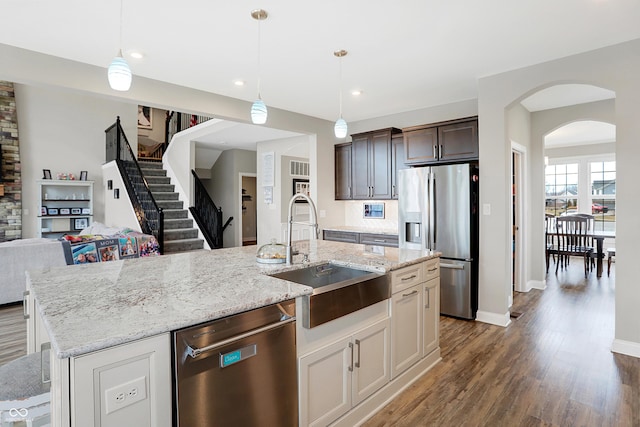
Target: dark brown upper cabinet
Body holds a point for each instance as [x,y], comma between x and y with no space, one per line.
[397,162]
[371,164]
[446,142]
[343,171]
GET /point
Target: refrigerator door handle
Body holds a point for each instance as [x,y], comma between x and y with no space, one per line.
[433,209]
[452,266]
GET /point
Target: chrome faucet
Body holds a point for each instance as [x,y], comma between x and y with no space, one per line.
[313,222]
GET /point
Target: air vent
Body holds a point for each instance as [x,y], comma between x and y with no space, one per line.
[298,168]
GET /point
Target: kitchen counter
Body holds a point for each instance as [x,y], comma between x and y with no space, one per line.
[95,306]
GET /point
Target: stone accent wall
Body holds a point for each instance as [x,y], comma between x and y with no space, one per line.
[11,182]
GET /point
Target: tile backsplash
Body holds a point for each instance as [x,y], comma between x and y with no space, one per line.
[354,215]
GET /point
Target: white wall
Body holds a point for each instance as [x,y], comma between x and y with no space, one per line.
[615,68]
[63,131]
[224,189]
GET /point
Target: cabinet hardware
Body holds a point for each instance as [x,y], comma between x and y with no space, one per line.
[409,294]
[413,276]
[393,191]
[351,364]
[428,297]
[25,305]
[452,266]
[432,269]
[358,362]
[379,240]
[435,151]
[439,151]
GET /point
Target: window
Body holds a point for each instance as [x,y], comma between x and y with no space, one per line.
[603,194]
[561,189]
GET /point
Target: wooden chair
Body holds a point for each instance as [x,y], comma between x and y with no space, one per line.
[590,228]
[611,252]
[551,249]
[573,239]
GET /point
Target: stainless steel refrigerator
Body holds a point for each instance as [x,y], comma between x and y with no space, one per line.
[438,210]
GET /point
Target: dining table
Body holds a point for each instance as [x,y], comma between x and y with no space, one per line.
[599,237]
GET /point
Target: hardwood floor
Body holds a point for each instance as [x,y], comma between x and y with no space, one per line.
[551,367]
[13,333]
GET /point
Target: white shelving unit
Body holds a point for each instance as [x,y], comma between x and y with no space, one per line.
[66,207]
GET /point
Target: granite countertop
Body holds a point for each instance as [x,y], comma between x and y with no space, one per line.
[95,306]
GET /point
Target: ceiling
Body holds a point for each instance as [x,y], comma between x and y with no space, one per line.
[403,56]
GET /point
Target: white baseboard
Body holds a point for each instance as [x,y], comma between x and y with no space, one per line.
[629,348]
[537,284]
[494,318]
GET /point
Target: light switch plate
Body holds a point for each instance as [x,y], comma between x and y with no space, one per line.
[486,209]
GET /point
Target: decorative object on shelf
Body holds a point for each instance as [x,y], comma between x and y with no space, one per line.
[46,174]
[43,210]
[52,211]
[340,128]
[301,186]
[80,223]
[76,211]
[259,109]
[65,211]
[145,117]
[119,73]
[83,175]
[86,211]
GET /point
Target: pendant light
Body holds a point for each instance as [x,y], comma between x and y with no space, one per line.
[340,128]
[259,109]
[119,73]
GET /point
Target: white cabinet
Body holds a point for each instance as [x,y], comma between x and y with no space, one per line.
[128,384]
[65,207]
[338,376]
[406,329]
[431,315]
[37,335]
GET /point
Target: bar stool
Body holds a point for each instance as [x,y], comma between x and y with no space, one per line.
[610,252]
[24,394]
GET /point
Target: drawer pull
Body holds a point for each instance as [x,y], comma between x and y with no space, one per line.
[432,269]
[379,240]
[25,305]
[413,276]
[409,294]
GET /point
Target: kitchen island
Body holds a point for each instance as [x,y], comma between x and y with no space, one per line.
[105,309]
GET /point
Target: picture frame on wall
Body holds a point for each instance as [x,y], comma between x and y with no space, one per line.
[76,211]
[83,175]
[80,223]
[301,186]
[145,117]
[46,173]
[65,211]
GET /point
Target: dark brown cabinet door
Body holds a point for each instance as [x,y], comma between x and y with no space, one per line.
[361,189]
[397,162]
[420,146]
[380,165]
[343,171]
[458,141]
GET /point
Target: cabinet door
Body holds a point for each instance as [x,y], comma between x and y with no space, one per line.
[431,321]
[397,162]
[341,236]
[360,168]
[371,361]
[406,329]
[458,141]
[380,165]
[343,172]
[420,146]
[325,383]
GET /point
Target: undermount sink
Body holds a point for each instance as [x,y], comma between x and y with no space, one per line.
[337,291]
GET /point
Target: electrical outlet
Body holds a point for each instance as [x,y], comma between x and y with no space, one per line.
[126,394]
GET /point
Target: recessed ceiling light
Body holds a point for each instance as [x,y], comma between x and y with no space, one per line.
[356,92]
[136,54]
[239,82]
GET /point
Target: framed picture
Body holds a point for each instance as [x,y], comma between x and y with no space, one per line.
[145,117]
[80,223]
[43,210]
[301,186]
[52,211]
[83,175]
[65,211]
[373,210]
[76,211]
[46,173]
[86,211]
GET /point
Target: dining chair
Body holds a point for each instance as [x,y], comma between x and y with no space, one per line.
[573,239]
[551,249]
[593,255]
[611,252]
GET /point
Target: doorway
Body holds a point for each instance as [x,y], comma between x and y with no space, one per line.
[518,231]
[248,218]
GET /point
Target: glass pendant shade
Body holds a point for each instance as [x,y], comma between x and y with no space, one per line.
[259,112]
[340,128]
[119,74]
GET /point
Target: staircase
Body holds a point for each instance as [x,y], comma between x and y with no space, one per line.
[179,233]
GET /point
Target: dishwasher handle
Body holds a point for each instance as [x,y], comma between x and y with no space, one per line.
[195,352]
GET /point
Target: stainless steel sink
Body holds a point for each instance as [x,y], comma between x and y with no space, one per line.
[337,291]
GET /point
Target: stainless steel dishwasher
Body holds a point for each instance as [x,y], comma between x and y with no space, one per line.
[238,371]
